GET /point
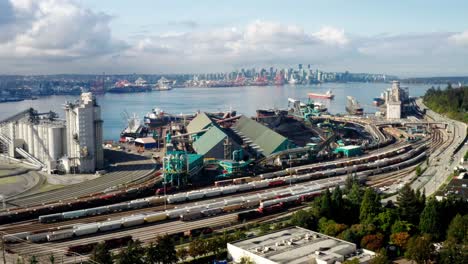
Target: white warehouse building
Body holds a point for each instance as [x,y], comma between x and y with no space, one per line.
[296,245]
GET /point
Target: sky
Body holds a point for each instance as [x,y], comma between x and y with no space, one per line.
[404,38]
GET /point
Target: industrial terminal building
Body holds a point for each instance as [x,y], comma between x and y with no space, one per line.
[43,140]
[296,245]
[84,135]
[395,98]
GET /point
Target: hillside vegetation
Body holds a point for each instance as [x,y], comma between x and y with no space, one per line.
[452,102]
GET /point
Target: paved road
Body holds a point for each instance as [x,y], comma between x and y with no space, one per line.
[441,167]
[441,161]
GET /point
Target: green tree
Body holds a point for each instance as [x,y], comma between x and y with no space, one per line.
[197,247]
[246,260]
[430,219]
[153,253]
[216,245]
[19,260]
[355,195]
[182,254]
[400,239]
[337,204]
[132,254]
[101,254]
[52,259]
[166,245]
[418,171]
[373,242]
[33,260]
[419,249]
[370,206]
[350,181]
[453,253]
[380,258]
[384,220]
[402,226]
[265,228]
[326,204]
[304,219]
[352,261]
[409,205]
[330,227]
[458,230]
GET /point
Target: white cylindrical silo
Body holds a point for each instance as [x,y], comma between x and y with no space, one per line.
[30,141]
[35,137]
[55,141]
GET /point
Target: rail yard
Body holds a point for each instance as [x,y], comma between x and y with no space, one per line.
[141,202]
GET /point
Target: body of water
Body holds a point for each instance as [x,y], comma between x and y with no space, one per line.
[188,100]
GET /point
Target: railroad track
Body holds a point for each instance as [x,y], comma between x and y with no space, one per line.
[24,226]
[142,230]
[390,178]
[145,234]
[129,173]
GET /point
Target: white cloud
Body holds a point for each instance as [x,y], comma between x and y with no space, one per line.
[55,30]
[332,35]
[50,36]
[460,38]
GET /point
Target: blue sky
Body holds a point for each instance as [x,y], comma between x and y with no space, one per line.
[406,38]
[361,17]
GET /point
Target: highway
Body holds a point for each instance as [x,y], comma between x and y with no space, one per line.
[441,162]
[441,156]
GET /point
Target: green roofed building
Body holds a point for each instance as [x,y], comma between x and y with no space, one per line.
[259,137]
[200,122]
[212,143]
[349,151]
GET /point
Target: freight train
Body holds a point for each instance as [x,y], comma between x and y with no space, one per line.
[267,202]
[261,201]
[76,209]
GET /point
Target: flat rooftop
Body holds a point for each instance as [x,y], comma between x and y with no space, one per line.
[297,245]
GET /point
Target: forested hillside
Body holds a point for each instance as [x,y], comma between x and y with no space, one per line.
[452,102]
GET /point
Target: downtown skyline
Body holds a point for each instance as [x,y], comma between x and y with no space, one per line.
[53,37]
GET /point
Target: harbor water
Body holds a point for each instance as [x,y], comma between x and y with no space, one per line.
[246,100]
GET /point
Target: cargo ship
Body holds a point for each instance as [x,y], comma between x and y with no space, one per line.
[327,95]
[158,118]
[260,81]
[265,113]
[125,86]
[279,79]
[353,107]
[134,129]
[164,85]
[378,101]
